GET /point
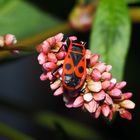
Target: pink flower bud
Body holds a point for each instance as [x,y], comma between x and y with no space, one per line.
[125,114]
[52,57]
[99,96]
[105,85]
[60,71]
[43,77]
[46,76]
[110,115]
[100,66]
[79,101]
[42,58]
[55,84]
[68,102]
[61,55]
[115,93]
[94,86]
[105,110]
[93,60]
[88,54]
[108,68]
[91,106]
[51,41]
[69,105]
[111,86]
[39,48]
[98,112]
[73,38]
[127,95]
[108,100]
[106,76]
[127,104]
[9,40]
[88,72]
[59,91]
[88,97]
[59,37]
[120,85]
[96,75]
[49,66]
[113,80]
[45,47]
[50,76]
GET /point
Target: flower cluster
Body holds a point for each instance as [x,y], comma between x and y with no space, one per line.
[81,17]
[100,93]
[8,40]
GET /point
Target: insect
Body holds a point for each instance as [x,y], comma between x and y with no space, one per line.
[74,66]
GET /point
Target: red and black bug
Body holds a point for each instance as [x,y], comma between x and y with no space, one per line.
[74,66]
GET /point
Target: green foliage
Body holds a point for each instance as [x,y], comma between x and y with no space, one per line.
[132,1]
[22,19]
[70,127]
[110,34]
[12,133]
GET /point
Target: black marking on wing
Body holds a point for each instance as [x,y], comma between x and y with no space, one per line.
[76,48]
[76,41]
[71,80]
[76,58]
[81,69]
[68,66]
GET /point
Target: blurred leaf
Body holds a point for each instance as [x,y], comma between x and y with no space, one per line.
[12,133]
[85,1]
[3,2]
[135,14]
[132,1]
[28,24]
[110,34]
[72,128]
[22,19]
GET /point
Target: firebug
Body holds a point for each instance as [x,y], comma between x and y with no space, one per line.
[74,66]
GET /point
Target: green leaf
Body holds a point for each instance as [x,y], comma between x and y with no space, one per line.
[72,128]
[12,133]
[23,19]
[132,1]
[111,33]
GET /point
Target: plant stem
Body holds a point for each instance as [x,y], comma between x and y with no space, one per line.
[28,44]
[4,54]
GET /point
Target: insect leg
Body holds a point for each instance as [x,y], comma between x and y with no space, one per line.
[65,46]
[56,69]
[65,37]
[83,90]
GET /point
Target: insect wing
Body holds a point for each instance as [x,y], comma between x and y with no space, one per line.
[80,69]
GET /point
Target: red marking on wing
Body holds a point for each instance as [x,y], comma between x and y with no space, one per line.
[68,60]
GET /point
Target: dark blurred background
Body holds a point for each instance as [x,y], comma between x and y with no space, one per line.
[22,93]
